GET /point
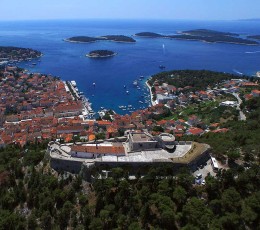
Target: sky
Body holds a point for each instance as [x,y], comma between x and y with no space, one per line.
[129,9]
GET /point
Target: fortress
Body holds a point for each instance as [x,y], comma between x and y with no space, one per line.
[134,150]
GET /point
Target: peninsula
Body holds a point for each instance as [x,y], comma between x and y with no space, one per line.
[114,38]
[204,35]
[101,54]
[9,54]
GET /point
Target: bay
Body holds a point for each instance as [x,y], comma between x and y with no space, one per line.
[68,61]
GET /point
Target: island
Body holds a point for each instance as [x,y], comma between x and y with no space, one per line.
[207,33]
[101,54]
[10,54]
[204,35]
[82,39]
[257,37]
[118,38]
[114,38]
[216,39]
[149,35]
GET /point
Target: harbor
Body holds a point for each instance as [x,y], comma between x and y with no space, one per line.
[87,111]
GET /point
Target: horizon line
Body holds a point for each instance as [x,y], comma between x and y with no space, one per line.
[126,19]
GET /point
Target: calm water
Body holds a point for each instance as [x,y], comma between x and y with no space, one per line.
[68,60]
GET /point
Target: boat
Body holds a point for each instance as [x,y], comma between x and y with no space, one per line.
[141,102]
[142,77]
[127,92]
[94,84]
[135,82]
[73,83]
[162,67]
[124,86]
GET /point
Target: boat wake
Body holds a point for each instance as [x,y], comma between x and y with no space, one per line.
[252,52]
[238,72]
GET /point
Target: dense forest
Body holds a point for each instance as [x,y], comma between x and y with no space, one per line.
[34,197]
[197,79]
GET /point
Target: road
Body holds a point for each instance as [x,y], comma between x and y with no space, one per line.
[242,116]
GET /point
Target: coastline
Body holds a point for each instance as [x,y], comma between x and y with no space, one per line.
[151,94]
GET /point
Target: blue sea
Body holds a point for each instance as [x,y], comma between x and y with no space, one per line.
[68,61]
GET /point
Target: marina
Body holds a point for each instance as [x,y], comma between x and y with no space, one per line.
[87,111]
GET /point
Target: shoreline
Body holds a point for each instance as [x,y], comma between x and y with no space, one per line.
[67,40]
[105,39]
[187,39]
[107,56]
[151,94]
[235,43]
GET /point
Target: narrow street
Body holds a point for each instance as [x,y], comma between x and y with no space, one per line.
[242,116]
